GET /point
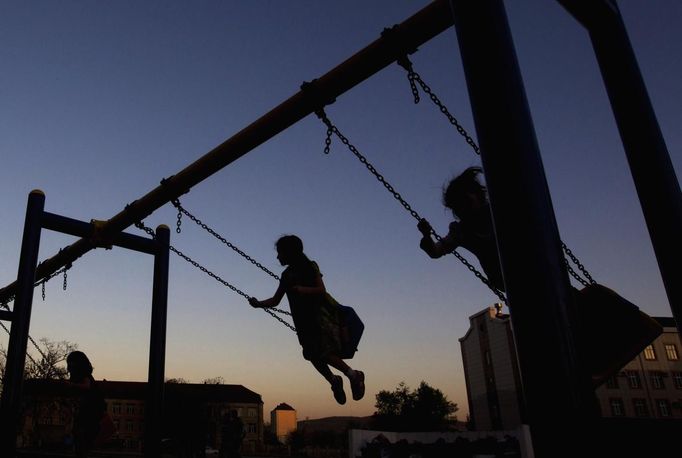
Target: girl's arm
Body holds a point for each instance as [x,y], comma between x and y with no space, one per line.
[436,249]
[271,302]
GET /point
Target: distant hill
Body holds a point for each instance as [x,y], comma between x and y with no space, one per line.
[336,424]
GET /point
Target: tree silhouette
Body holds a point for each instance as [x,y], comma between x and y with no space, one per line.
[48,364]
[423,409]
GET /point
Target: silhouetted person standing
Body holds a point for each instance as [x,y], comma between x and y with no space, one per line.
[232,434]
[91,406]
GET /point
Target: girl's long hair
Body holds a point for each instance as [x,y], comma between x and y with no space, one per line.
[292,248]
[455,194]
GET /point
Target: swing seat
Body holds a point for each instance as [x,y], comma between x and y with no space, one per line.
[611,331]
[351,328]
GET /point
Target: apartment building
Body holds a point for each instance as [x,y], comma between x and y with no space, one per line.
[648,387]
[192,412]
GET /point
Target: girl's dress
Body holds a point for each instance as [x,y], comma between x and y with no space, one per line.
[315,315]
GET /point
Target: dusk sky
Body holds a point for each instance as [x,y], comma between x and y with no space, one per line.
[101,100]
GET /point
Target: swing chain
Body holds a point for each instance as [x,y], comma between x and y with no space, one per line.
[150,231]
[5,305]
[222,239]
[274,315]
[328,138]
[331,127]
[32,341]
[178,223]
[50,277]
[473,269]
[574,274]
[414,77]
[578,264]
[407,65]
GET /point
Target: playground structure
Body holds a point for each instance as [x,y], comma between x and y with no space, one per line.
[532,262]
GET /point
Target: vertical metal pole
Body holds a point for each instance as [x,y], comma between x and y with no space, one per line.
[157,346]
[650,164]
[10,405]
[557,392]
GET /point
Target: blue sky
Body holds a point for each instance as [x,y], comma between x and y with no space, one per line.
[101,100]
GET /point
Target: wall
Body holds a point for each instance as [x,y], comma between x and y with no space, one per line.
[358,438]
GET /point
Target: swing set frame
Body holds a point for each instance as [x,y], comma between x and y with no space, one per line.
[532,261]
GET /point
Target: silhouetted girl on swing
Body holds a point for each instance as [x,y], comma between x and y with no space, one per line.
[315,316]
[594,307]
[472,229]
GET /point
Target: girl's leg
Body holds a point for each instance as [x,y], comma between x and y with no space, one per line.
[334,380]
[337,363]
[323,369]
[356,378]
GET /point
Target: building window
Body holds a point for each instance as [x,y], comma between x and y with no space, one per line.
[251,428]
[663,407]
[130,409]
[650,353]
[129,426]
[677,380]
[239,411]
[657,380]
[633,380]
[640,407]
[116,425]
[617,409]
[117,408]
[612,382]
[671,352]
[251,412]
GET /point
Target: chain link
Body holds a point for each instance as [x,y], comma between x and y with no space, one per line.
[204,226]
[574,274]
[50,277]
[150,231]
[178,223]
[5,305]
[413,77]
[32,341]
[331,127]
[413,87]
[328,140]
[407,65]
[579,265]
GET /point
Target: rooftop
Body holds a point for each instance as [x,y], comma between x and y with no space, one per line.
[137,390]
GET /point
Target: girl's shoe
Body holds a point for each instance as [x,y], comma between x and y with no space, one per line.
[357,385]
[337,388]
